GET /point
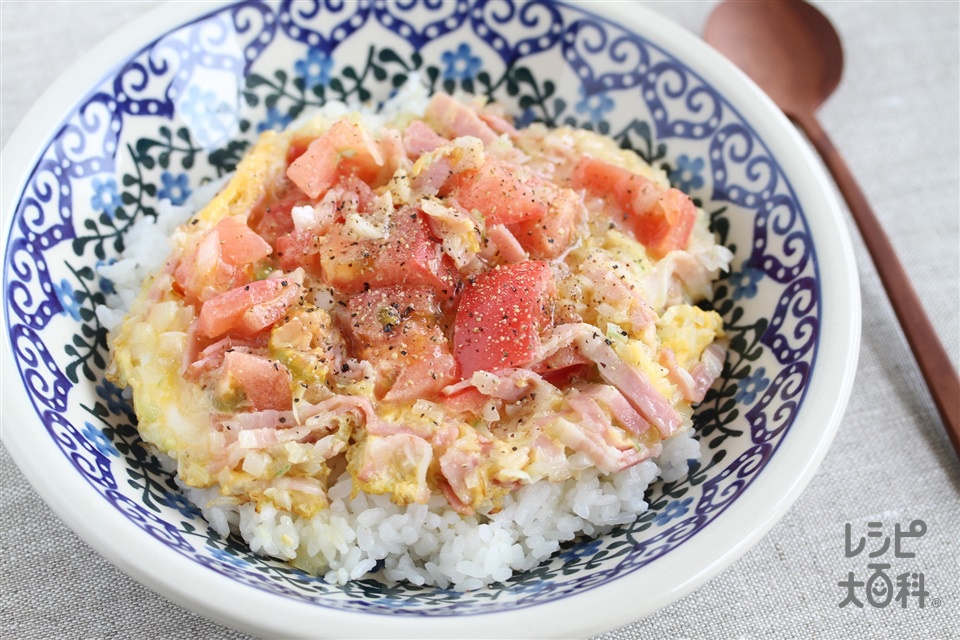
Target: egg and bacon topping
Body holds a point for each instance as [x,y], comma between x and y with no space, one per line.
[442,304]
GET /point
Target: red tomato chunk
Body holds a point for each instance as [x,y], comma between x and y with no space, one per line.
[271,218]
[249,309]
[409,255]
[398,330]
[263,383]
[222,259]
[660,219]
[343,149]
[501,316]
[502,195]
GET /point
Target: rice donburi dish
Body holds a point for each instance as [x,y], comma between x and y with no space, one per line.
[426,343]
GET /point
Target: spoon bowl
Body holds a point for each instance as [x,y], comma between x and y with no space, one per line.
[794,54]
[802,60]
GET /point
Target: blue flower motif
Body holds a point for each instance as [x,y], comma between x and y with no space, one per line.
[176,189]
[229,558]
[274,120]
[113,396]
[68,299]
[594,106]
[750,386]
[526,117]
[180,503]
[208,116]
[315,68]
[105,198]
[99,440]
[675,509]
[461,63]
[199,104]
[106,284]
[688,174]
[744,282]
[581,550]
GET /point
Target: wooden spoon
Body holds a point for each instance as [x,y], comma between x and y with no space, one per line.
[794,54]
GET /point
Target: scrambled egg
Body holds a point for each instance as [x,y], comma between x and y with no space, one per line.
[473,439]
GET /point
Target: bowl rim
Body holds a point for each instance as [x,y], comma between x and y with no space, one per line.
[179,579]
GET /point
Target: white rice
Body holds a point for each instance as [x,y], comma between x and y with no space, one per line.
[431,543]
[424,544]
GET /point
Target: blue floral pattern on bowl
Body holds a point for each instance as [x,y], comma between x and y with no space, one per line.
[189,119]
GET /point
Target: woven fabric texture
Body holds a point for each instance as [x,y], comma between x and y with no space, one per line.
[895,118]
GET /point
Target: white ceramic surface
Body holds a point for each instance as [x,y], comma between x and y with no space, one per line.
[716,543]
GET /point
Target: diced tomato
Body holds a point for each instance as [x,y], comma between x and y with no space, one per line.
[222,259]
[201,273]
[504,194]
[470,400]
[353,188]
[300,249]
[660,219]
[271,218]
[208,355]
[501,315]
[667,226]
[412,256]
[264,383]
[296,149]
[424,377]
[607,180]
[550,236]
[347,264]
[409,255]
[397,329]
[345,148]
[248,309]
[239,244]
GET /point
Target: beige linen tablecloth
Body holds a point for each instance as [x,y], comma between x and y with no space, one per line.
[895,118]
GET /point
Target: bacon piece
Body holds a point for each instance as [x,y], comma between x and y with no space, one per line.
[395,464]
[633,384]
[509,385]
[453,119]
[392,147]
[614,401]
[419,138]
[506,244]
[498,123]
[587,436]
[694,384]
[613,290]
[460,471]
[433,170]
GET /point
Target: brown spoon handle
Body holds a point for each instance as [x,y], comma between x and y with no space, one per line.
[934,363]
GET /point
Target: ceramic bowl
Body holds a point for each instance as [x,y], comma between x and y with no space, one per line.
[175,99]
